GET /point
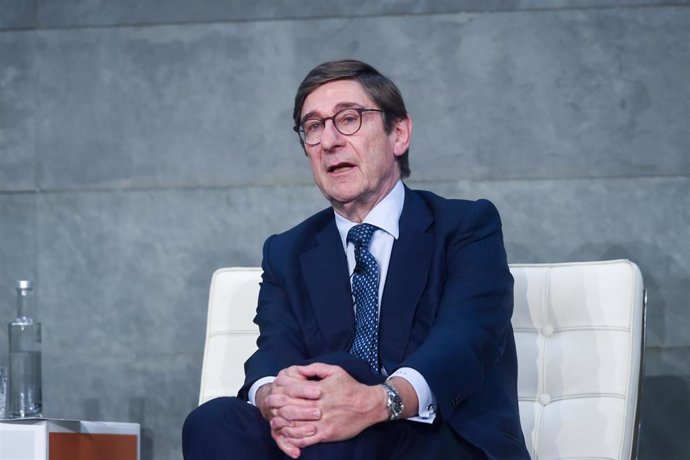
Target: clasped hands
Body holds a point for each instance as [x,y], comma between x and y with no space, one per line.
[307,405]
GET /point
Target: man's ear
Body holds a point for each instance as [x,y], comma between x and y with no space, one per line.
[402,132]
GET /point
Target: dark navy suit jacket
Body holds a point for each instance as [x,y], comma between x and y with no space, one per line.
[445,311]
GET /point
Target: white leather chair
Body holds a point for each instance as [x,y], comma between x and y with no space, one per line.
[579,330]
[230,331]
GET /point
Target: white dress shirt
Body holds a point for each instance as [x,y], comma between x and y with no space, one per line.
[385,216]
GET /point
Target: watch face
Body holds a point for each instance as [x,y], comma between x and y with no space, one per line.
[394,403]
[397,406]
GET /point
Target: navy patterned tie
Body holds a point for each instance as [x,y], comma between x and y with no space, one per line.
[365,289]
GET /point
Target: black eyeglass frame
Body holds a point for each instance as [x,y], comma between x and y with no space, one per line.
[299,129]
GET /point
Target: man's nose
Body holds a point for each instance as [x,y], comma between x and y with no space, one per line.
[330,137]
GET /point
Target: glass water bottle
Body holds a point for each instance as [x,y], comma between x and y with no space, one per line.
[25,357]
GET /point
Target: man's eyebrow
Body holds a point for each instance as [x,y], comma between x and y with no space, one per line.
[339,106]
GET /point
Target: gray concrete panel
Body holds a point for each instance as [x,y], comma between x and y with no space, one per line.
[71,13]
[567,94]
[665,408]
[174,106]
[18,14]
[17,111]
[127,272]
[644,220]
[511,95]
[662,362]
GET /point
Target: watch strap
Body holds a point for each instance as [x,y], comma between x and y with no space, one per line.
[394,402]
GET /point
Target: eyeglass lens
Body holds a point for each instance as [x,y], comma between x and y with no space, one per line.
[347,122]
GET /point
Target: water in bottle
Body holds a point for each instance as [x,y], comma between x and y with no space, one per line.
[25,357]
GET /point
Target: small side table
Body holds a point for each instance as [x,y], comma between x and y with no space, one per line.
[56,439]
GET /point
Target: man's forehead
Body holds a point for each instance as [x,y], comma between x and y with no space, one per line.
[334,95]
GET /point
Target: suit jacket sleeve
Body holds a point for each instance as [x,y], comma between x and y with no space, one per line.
[472,321]
[280,342]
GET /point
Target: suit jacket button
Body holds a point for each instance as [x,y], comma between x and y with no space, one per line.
[455,402]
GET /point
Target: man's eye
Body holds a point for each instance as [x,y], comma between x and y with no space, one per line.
[312,126]
[348,118]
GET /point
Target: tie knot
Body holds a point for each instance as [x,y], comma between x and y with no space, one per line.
[360,235]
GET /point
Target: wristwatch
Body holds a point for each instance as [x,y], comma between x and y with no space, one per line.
[394,403]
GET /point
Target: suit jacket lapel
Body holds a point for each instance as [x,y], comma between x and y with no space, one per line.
[406,279]
[328,286]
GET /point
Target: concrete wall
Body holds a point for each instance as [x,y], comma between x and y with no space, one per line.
[144,144]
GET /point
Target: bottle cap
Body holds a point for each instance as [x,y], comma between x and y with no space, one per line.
[25,284]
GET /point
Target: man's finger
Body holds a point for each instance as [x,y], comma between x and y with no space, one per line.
[278,423]
[318,370]
[280,401]
[303,389]
[290,372]
[293,413]
[306,390]
[283,444]
[294,433]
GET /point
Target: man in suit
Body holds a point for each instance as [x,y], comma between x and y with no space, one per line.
[385,319]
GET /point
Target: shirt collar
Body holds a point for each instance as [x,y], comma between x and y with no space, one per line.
[385,215]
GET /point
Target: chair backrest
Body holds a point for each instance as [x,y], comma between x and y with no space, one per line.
[579,330]
[230,331]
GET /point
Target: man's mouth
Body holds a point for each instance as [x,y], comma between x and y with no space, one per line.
[339,167]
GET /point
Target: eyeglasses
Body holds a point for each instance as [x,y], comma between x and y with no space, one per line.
[347,122]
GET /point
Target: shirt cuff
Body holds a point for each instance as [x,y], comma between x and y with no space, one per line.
[427,401]
[255,387]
